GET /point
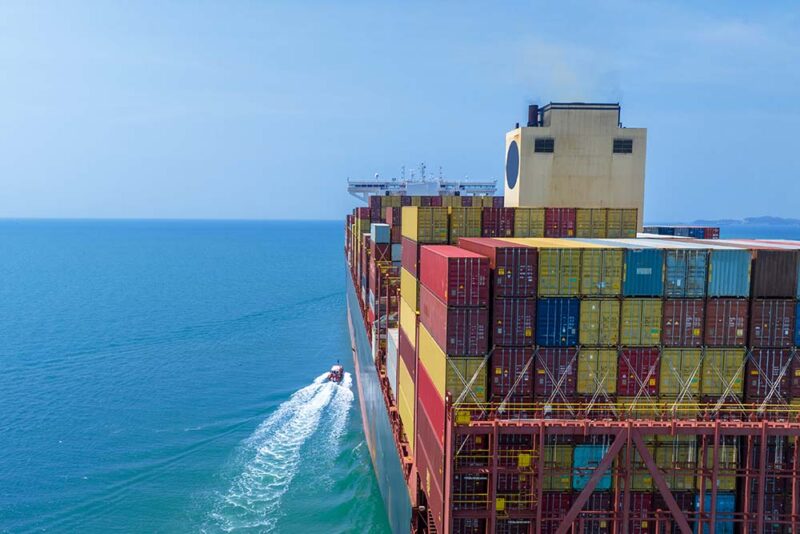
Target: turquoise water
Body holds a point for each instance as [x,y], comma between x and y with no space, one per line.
[160,377]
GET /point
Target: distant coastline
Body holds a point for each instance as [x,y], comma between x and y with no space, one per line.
[747,221]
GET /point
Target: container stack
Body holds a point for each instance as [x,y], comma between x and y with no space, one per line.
[695,232]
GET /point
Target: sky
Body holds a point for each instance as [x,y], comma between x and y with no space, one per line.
[262,110]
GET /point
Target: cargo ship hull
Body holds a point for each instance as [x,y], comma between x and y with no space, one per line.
[377,427]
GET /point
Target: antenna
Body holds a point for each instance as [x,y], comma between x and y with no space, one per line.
[422,170]
[440,172]
[403,172]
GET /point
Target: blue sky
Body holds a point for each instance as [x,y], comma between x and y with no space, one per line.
[262,110]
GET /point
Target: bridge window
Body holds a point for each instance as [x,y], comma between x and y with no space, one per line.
[623,146]
[544,144]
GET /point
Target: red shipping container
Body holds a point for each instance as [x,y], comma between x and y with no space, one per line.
[405,200]
[466,201]
[396,234]
[772,323]
[498,202]
[555,506]
[376,215]
[436,201]
[767,375]
[641,513]
[513,267]
[711,232]
[682,323]
[394,216]
[559,222]
[362,213]
[726,322]
[455,275]
[410,256]
[380,251]
[457,331]
[429,402]
[429,457]
[556,373]
[425,201]
[497,222]
[375,201]
[512,368]
[596,515]
[638,370]
[407,354]
[513,320]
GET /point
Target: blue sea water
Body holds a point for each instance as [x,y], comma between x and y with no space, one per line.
[164,377]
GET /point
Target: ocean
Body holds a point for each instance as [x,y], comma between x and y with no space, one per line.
[166,376]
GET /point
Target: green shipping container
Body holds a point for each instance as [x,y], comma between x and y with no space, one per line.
[641,322]
[559,272]
[599,322]
[601,272]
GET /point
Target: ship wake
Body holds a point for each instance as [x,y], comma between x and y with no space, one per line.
[271,457]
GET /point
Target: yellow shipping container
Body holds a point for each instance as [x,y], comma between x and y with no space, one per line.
[408,322]
[425,224]
[679,408]
[464,222]
[529,222]
[641,408]
[630,222]
[483,201]
[599,322]
[677,457]
[680,372]
[622,223]
[597,369]
[721,369]
[728,456]
[641,322]
[452,374]
[451,201]
[559,272]
[601,272]
[391,201]
[409,289]
[558,459]
[641,479]
[406,401]
[590,222]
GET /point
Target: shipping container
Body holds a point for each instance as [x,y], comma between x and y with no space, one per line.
[409,289]
[410,256]
[775,273]
[682,322]
[529,222]
[513,321]
[590,222]
[397,254]
[408,321]
[677,457]
[558,466]
[586,460]
[643,275]
[768,376]
[559,222]
[727,457]
[380,233]
[455,275]
[392,356]
[638,373]
[406,401]
[601,272]
[406,352]
[557,322]
[772,323]
[641,513]
[556,373]
[559,272]
[599,322]
[729,273]
[451,375]
[555,506]
[513,267]
[622,223]
[680,373]
[686,271]
[640,322]
[425,225]
[512,373]
[723,372]
[461,331]
[429,459]
[497,222]
[601,505]
[597,372]
[725,508]
[726,322]
[430,403]
[464,222]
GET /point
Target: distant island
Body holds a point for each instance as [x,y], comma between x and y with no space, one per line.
[754,221]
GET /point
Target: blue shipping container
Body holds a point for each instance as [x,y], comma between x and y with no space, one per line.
[697,233]
[644,273]
[557,322]
[397,252]
[726,506]
[380,233]
[686,273]
[729,273]
[586,458]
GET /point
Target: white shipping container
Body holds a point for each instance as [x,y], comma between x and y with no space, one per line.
[392,354]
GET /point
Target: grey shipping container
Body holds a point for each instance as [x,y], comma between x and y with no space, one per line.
[686,273]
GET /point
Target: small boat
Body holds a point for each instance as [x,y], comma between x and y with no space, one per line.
[337,374]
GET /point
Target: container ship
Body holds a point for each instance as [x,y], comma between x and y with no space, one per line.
[536,363]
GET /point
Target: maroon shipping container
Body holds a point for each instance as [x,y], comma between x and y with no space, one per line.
[556,374]
[376,215]
[470,491]
[682,322]
[513,267]
[596,513]
[512,368]
[512,322]
[375,201]
[407,353]
[779,463]
[711,232]
[362,213]
[726,322]
[685,501]
[436,201]
[777,507]
[470,525]
[641,513]
[772,323]
[380,251]
[405,200]
[774,273]
[638,370]
[767,375]
[554,505]
[425,201]
[410,256]
[429,458]
[466,201]
[396,234]
[394,216]
[455,275]
[498,202]
[559,222]
[497,222]
[459,331]
[431,403]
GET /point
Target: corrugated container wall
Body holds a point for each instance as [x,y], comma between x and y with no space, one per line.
[559,272]
[599,322]
[425,224]
[392,356]
[529,222]
[464,222]
[775,273]
[686,273]
[513,267]
[729,273]
[601,272]
[557,322]
[455,275]
[682,324]
[644,273]
[513,321]
[461,331]
[726,322]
